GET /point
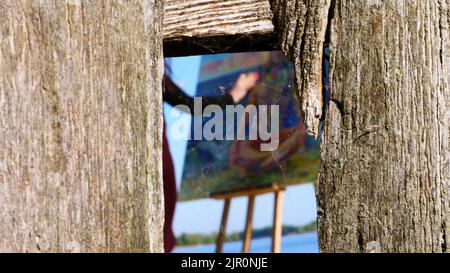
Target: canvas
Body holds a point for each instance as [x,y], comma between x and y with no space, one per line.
[221,166]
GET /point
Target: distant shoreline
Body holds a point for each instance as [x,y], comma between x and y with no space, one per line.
[191,240]
[266,237]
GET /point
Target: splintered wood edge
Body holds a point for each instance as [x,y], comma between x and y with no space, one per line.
[206,18]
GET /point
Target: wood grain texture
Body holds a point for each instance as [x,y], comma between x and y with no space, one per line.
[384,183]
[190,18]
[301,26]
[80,126]
[194,27]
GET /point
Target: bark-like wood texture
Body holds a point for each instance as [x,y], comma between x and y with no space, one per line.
[215,26]
[385,174]
[189,18]
[80,126]
[301,27]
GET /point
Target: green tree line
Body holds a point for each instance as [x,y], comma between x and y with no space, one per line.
[200,239]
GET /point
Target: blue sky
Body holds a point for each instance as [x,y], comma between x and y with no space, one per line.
[203,216]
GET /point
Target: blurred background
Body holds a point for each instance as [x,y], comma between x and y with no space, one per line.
[196,222]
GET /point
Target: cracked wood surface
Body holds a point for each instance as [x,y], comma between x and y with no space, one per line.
[80,126]
[194,27]
[301,26]
[385,174]
[190,18]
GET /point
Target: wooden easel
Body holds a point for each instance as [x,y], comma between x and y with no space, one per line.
[252,193]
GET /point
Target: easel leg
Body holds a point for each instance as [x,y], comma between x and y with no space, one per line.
[223,226]
[276,229]
[248,225]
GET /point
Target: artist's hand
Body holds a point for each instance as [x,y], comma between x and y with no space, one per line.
[244,83]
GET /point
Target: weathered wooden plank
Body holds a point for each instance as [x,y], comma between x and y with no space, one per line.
[214,26]
[81,126]
[301,26]
[190,18]
[384,184]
